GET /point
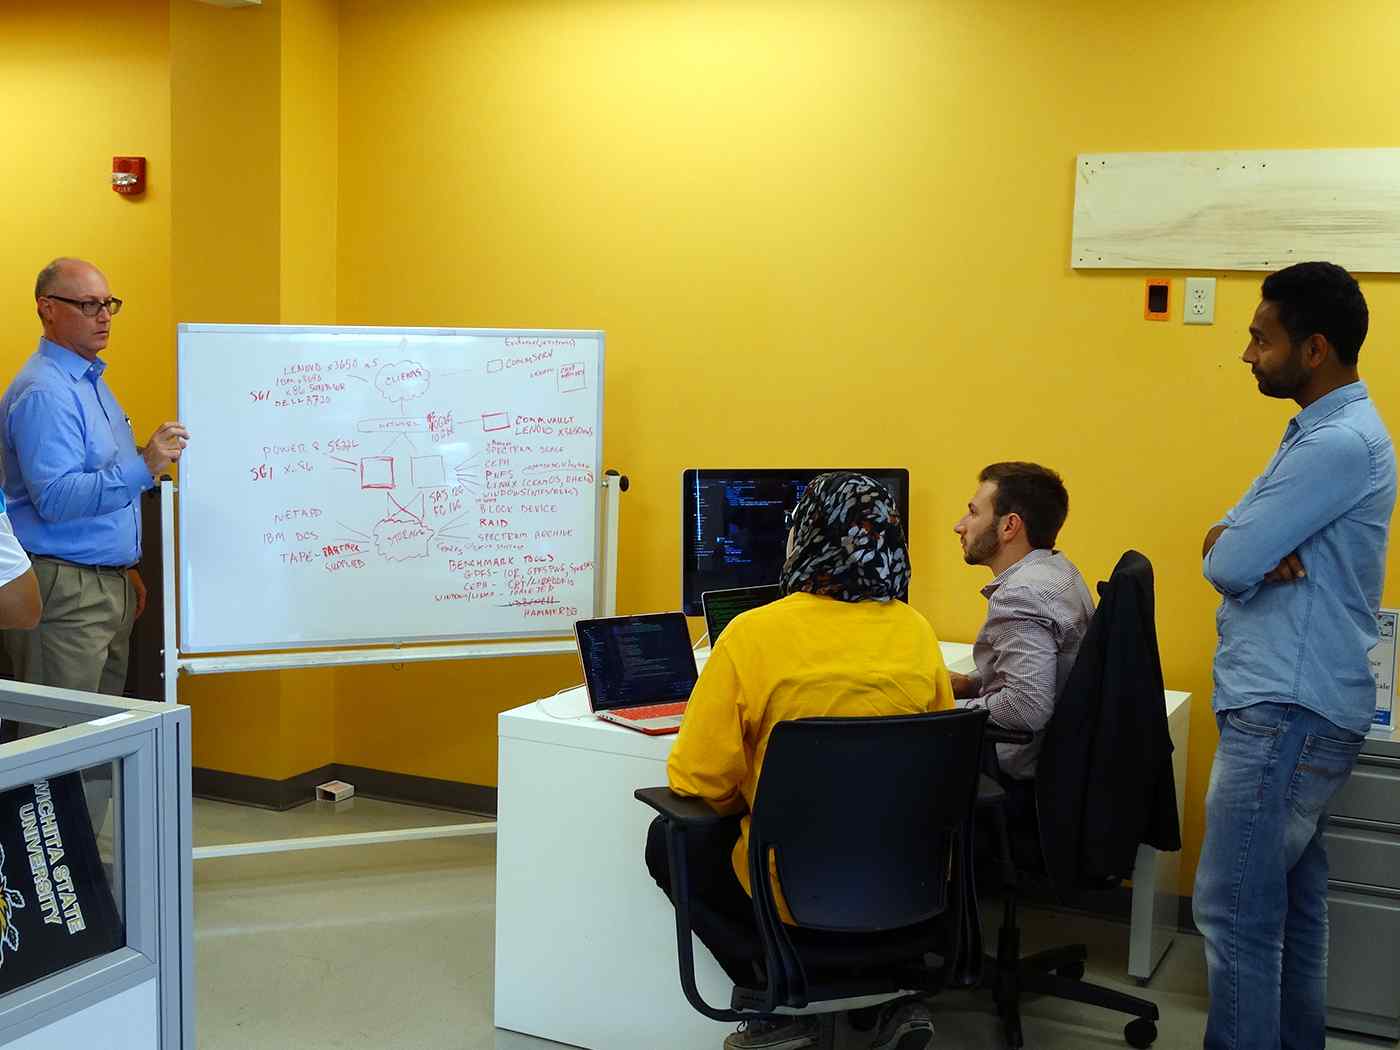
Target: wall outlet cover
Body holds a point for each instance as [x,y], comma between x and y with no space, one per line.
[1199,304]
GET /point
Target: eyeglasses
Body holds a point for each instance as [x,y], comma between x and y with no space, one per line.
[91,307]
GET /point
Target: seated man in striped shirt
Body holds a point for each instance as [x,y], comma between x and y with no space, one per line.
[1038,607]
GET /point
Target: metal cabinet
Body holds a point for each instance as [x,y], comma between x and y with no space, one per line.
[1363,848]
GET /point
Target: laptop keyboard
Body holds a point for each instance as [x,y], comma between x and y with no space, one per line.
[654,711]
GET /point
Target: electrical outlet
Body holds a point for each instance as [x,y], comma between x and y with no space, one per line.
[1199,307]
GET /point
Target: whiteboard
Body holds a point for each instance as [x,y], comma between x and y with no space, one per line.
[348,486]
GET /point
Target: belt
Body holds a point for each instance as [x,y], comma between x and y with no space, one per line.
[80,565]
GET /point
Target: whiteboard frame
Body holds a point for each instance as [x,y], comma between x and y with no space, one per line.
[174,524]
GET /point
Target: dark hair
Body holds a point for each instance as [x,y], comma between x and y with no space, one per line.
[1320,298]
[1033,492]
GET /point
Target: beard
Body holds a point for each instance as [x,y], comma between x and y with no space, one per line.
[1291,377]
[983,547]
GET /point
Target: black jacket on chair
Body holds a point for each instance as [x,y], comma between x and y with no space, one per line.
[1104,779]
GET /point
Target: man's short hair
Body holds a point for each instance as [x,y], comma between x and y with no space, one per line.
[1320,298]
[1034,493]
[48,276]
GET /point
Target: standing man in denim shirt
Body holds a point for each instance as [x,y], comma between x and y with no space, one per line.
[73,478]
[1299,562]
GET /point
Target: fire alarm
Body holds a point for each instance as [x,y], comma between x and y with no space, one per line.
[129,175]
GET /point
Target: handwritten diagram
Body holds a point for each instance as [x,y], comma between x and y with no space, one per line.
[415,485]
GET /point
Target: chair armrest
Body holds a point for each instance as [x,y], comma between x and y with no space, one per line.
[997,735]
[681,809]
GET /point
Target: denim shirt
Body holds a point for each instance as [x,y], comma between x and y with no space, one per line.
[72,472]
[1328,494]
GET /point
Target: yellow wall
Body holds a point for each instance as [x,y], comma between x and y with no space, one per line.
[80,88]
[822,232]
[254,133]
[309,168]
[225,82]
[814,232]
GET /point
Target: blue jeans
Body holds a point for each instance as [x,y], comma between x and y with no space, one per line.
[1261,886]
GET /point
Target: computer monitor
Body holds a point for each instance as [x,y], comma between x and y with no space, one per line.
[722,606]
[732,528]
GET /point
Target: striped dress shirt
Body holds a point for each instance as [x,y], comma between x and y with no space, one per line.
[1038,611]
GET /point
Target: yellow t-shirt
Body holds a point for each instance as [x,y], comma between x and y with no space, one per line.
[803,656]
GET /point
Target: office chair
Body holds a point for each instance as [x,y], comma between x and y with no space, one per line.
[1121,643]
[1057,972]
[867,821]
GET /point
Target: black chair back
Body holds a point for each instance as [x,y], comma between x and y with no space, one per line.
[1104,780]
[861,816]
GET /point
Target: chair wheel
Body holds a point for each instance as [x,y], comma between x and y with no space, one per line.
[1140,1033]
[1074,971]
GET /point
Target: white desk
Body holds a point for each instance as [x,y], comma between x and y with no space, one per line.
[585,942]
[1156,900]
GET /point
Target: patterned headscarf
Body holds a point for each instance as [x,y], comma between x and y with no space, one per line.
[849,541]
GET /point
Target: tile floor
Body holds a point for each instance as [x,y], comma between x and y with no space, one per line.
[391,946]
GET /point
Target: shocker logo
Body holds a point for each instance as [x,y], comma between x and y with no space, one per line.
[10,902]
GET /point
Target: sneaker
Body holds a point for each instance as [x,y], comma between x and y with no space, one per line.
[774,1033]
[907,1026]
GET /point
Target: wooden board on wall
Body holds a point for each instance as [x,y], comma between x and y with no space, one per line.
[1238,209]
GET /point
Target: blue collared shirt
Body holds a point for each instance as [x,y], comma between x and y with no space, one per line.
[72,471]
[1328,494]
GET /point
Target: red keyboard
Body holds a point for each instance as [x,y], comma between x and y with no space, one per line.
[654,711]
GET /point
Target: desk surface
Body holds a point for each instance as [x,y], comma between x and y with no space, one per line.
[565,719]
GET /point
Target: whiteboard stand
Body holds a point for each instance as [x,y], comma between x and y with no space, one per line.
[169,654]
[614,485]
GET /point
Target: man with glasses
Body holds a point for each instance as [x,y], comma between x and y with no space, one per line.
[73,481]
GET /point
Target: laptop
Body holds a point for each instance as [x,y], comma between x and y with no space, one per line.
[639,670]
[722,606]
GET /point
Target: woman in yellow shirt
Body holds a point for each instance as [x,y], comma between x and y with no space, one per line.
[840,643]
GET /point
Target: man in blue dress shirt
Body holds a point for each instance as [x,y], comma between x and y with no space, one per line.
[1299,563]
[73,478]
